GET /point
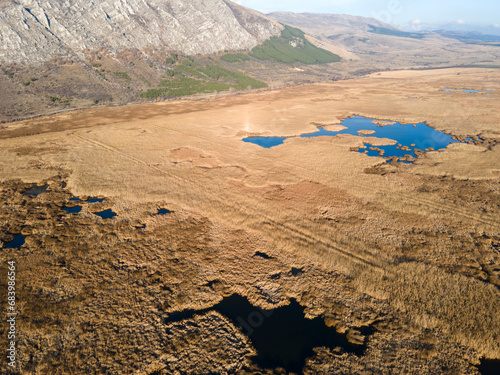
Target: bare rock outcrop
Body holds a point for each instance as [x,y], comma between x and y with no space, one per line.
[35,31]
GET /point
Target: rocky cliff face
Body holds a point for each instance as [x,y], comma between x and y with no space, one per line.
[34,31]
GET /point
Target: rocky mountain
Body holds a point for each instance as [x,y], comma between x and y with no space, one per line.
[59,55]
[35,31]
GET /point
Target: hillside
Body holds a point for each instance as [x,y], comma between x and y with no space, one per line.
[373,45]
[34,31]
[56,56]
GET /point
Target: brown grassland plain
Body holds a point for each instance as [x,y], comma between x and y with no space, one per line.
[411,250]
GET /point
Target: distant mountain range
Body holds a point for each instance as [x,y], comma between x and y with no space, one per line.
[417,25]
[369,36]
[467,37]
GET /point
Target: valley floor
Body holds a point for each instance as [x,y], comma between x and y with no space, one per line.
[408,250]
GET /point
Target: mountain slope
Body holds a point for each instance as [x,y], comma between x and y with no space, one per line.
[56,55]
[379,46]
[34,31]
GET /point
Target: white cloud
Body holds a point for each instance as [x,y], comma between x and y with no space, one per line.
[497,25]
[461,22]
[416,22]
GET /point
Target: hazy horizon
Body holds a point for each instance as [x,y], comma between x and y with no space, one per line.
[395,12]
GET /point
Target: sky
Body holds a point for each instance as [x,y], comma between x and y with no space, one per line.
[395,12]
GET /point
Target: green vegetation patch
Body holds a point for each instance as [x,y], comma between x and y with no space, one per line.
[234,57]
[291,47]
[217,72]
[122,75]
[184,86]
[240,81]
[244,82]
[170,73]
[202,79]
[391,32]
[191,68]
[485,66]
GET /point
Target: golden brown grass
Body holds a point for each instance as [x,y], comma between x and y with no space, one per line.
[190,155]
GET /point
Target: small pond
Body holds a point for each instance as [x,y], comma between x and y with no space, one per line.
[408,137]
[489,367]
[163,211]
[282,337]
[72,210]
[95,200]
[469,91]
[266,142]
[106,214]
[16,243]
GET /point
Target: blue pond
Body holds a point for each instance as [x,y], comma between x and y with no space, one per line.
[266,142]
[163,211]
[106,214]
[95,200]
[413,136]
[75,199]
[16,243]
[72,210]
[469,91]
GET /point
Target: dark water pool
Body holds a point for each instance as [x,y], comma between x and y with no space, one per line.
[16,243]
[106,214]
[261,255]
[489,367]
[282,337]
[35,190]
[72,210]
[75,199]
[163,211]
[95,200]
[408,137]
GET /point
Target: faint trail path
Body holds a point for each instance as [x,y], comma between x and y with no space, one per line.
[256,218]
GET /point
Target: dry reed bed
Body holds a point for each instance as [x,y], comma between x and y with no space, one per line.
[131,155]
